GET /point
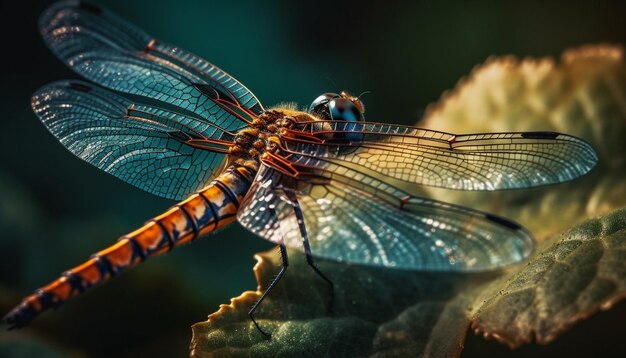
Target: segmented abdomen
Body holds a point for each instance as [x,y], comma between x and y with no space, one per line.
[203,212]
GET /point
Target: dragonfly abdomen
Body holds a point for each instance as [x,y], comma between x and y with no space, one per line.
[207,210]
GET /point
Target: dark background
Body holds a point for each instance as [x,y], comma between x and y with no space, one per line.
[56,210]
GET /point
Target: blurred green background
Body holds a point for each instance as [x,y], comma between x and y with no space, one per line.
[56,210]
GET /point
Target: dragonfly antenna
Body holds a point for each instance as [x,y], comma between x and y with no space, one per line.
[332,82]
[362,93]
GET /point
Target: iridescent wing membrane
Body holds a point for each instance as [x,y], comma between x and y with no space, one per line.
[187,100]
[354,210]
[151,148]
[483,161]
[353,218]
[111,52]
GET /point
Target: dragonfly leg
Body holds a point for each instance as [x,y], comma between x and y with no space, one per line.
[309,260]
[285,263]
[307,248]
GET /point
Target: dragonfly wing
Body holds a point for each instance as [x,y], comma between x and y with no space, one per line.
[353,218]
[149,147]
[484,161]
[106,49]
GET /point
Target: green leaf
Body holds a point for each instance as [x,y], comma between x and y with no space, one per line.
[389,312]
[578,269]
[579,274]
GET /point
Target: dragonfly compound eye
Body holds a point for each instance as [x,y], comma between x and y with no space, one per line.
[319,107]
[343,109]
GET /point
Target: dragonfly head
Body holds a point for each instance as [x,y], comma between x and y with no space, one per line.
[338,107]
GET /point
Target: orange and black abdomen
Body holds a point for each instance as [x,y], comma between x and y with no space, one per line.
[203,212]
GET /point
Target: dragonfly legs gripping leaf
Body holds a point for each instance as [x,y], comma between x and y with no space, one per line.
[307,247]
[285,262]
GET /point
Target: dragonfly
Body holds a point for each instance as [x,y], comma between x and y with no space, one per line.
[323,180]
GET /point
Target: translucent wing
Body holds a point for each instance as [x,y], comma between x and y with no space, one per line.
[109,51]
[354,218]
[485,161]
[165,153]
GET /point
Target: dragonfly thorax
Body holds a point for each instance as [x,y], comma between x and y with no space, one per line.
[265,132]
